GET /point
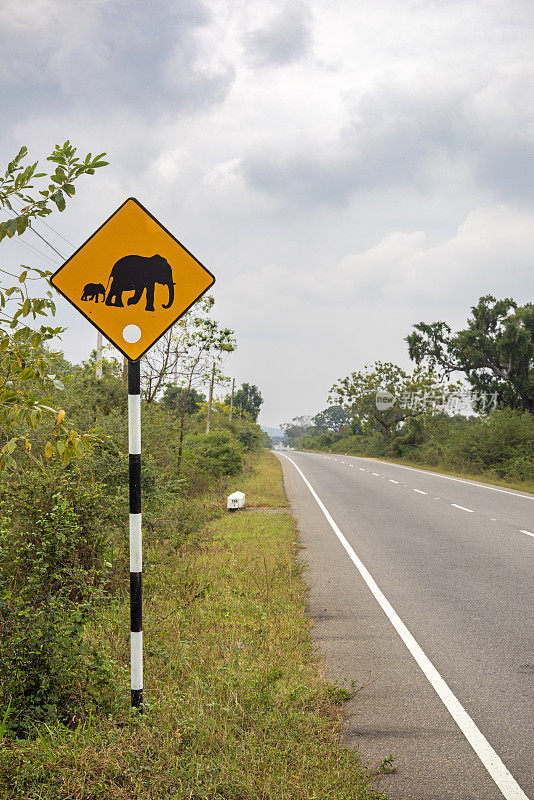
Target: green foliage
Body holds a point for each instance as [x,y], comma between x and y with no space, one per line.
[238,708]
[297,428]
[249,435]
[17,182]
[333,418]
[502,443]
[498,446]
[357,393]
[178,399]
[26,378]
[495,351]
[216,453]
[51,573]
[247,399]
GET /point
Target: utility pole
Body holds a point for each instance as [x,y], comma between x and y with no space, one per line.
[210,402]
[99,355]
[231,401]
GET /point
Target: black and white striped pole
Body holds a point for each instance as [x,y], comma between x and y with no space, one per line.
[136,547]
[130,230]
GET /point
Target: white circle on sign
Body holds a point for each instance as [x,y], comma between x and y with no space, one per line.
[131,334]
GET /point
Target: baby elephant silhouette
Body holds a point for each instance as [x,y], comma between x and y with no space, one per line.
[91,291]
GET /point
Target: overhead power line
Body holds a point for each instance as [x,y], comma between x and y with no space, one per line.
[51,246]
[45,255]
[48,243]
[50,227]
[56,232]
[18,240]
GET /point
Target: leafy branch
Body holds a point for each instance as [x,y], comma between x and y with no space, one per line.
[18,181]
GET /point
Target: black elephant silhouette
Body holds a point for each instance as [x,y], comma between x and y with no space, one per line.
[137,273]
[92,291]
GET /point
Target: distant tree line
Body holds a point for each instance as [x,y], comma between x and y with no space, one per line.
[483,421]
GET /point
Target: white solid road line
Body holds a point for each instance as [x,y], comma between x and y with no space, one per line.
[527,532]
[463,508]
[507,784]
[420,491]
[449,478]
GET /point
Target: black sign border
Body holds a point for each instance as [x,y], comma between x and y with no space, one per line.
[79,310]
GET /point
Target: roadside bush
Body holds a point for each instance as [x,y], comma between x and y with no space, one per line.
[499,445]
[55,540]
[212,454]
[51,574]
[47,672]
[502,443]
[248,435]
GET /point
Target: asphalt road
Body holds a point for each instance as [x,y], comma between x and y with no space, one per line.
[455,561]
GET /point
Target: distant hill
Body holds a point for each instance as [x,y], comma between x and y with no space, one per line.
[274,433]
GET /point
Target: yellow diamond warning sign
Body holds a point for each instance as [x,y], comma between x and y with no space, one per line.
[132,279]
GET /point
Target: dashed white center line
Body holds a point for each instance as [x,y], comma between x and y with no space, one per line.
[392,481]
[351,465]
[463,508]
[376,474]
[362,469]
[528,533]
[420,491]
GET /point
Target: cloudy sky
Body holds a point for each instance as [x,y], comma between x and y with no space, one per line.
[344,168]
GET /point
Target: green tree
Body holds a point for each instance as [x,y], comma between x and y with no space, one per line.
[248,399]
[26,376]
[198,343]
[332,418]
[495,351]
[406,396]
[177,398]
[295,429]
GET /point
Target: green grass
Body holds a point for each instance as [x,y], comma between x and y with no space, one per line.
[262,482]
[236,705]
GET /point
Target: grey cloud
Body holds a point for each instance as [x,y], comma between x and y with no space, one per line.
[508,169]
[284,40]
[394,139]
[377,151]
[143,56]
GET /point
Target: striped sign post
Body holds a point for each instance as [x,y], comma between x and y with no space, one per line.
[147,280]
[136,546]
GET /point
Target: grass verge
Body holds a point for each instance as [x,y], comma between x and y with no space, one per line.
[236,706]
